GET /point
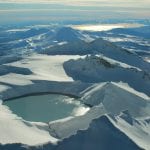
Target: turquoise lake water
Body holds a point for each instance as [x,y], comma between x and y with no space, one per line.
[43,108]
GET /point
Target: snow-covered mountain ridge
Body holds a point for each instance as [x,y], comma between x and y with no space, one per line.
[109,84]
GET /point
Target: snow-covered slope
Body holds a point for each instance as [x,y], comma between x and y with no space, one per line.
[98,46]
[108,81]
[97,136]
[34,38]
[69,126]
[100,131]
[108,98]
[99,69]
[44,67]
[116,99]
[143,31]
[137,129]
[14,130]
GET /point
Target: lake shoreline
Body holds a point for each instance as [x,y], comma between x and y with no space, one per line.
[41,93]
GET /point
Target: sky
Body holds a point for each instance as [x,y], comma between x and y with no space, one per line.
[53,10]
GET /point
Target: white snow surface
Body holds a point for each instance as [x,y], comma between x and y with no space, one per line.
[15,79]
[3,87]
[18,30]
[116,98]
[147,59]
[106,97]
[45,67]
[13,130]
[126,87]
[69,126]
[117,63]
[138,131]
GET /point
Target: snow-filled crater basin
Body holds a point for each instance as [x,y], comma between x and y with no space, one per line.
[46,108]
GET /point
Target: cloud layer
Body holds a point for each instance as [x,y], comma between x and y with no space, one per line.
[73,9]
[133,3]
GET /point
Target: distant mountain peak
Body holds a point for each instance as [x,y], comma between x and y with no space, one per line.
[67,34]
